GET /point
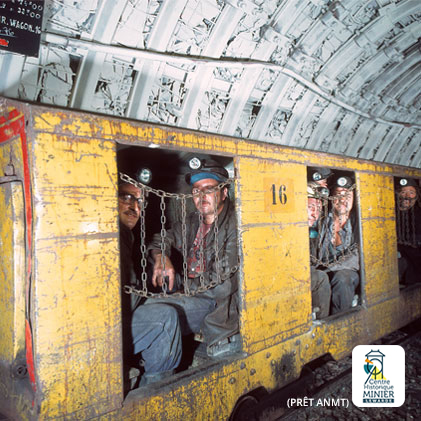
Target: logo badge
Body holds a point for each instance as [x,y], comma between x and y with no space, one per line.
[378,375]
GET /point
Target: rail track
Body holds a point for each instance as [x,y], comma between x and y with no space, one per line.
[329,382]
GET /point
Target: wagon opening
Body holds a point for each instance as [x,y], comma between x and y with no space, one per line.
[408,230]
[179,261]
[333,220]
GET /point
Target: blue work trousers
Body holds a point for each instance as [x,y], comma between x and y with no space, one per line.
[191,310]
[156,335]
[343,283]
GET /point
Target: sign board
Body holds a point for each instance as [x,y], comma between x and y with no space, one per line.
[20,26]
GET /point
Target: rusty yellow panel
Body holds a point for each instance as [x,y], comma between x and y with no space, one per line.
[77,333]
[12,273]
[140,133]
[136,132]
[380,260]
[77,309]
[76,186]
[377,196]
[276,257]
[272,367]
[271,191]
[377,205]
[11,152]
[276,268]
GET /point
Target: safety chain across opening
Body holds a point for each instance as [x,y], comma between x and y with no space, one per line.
[323,256]
[405,225]
[182,197]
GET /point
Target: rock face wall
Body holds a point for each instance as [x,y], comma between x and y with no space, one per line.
[334,76]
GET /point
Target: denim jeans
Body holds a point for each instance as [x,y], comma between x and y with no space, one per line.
[191,310]
[156,335]
[344,283]
[320,292]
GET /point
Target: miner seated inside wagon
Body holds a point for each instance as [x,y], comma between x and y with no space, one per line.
[207,240]
[192,266]
[334,241]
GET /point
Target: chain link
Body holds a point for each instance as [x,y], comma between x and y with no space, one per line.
[327,260]
[184,246]
[216,232]
[163,237]
[201,251]
[143,292]
[405,221]
[143,252]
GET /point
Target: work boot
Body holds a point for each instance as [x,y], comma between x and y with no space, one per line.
[149,378]
[225,346]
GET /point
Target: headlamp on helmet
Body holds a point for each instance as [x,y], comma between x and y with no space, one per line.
[317,176]
[144,175]
[344,182]
[208,169]
[324,192]
[316,191]
[195,163]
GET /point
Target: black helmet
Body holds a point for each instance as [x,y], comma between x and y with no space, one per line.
[404,182]
[205,168]
[319,173]
[343,181]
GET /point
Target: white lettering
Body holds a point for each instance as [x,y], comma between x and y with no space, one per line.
[331,402]
[21,25]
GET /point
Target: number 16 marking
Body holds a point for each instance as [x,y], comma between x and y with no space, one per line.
[282,195]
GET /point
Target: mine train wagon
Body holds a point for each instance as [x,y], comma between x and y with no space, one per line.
[60,324]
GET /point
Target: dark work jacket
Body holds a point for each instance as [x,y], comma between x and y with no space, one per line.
[411,253]
[408,226]
[223,321]
[128,276]
[346,253]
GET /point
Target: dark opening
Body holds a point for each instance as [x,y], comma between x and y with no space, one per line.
[334,241]
[162,214]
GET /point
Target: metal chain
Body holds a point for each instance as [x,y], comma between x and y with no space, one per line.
[414,238]
[143,261]
[184,245]
[405,225]
[183,197]
[322,248]
[201,265]
[399,221]
[163,238]
[216,233]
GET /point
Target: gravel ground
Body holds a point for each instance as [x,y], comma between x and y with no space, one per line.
[410,410]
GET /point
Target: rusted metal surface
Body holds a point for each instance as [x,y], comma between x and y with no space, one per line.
[75,276]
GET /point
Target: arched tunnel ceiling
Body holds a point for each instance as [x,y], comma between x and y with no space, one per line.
[334,76]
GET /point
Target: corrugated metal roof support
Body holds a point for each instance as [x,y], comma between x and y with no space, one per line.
[270,105]
[91,65]
[11,73]
[148,71]
[218,40]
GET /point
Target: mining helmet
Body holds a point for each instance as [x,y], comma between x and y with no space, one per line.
[320,173]
[404,182]
[144,175]
[316,191]
[205,168]
[344,181]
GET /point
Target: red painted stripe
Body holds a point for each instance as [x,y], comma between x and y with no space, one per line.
[11,128]
[28,216]
[15,126]
[30,354]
